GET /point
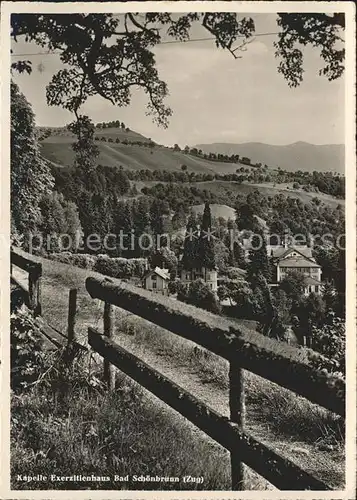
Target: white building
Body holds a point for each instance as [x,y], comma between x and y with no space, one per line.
[157,280]
[209,276]
[297,259]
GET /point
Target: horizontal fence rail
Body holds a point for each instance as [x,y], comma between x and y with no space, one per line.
[24,263]
[280,471]
[268,358]
[34,270]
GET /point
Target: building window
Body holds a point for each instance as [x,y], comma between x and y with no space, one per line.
[154,277]
[154,284]
[317,288]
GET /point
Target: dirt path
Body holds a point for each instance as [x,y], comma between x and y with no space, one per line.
[182,369]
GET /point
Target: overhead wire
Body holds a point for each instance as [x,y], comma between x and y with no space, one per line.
[161,43]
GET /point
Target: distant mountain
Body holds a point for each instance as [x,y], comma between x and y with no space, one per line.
[293,157]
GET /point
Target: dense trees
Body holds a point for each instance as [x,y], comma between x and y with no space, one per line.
[60,218]
[125,141]
[112,124]
[209,156]
[30,174]
[178,195]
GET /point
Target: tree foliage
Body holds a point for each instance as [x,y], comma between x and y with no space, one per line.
[320,30]
[190,255]
[293,284]
[28,358]
[199,294]
[60,217]
[86,152]
[206,248]
[330,340]
[30,174]
[109,54]
[258,258]
[164,258]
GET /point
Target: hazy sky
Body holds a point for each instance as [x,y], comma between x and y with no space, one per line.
[214,98]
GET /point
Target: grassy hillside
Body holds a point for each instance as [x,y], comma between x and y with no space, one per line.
[58,149]
[225,190]
[292,157]
[221,188]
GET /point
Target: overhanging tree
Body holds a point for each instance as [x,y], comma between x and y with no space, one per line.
[109,54]
[319,30]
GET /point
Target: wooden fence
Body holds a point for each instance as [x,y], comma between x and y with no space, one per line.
[32,295]
[244,350]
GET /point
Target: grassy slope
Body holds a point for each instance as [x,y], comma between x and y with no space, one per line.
[58,149]
[267,189]
[281,420]
[224,189]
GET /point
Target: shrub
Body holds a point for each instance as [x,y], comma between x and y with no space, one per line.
[85,261]
[65,257]
[120,267]
[173,286]
[330,341]
[200,295]
[28,360]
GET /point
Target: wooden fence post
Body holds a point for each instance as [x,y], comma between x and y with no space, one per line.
[35,290]
[108,319]
[72,309]
[237,415]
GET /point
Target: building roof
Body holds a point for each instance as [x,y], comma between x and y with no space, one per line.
[280,251]
[297,262]
[312,281]
[163,273]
